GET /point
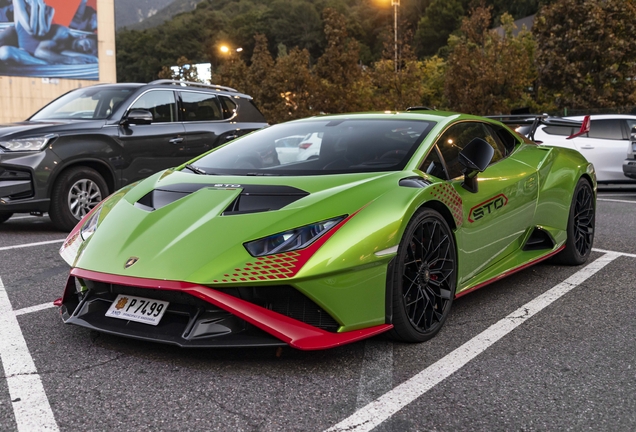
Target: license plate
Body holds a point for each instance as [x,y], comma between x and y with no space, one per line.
[139,309]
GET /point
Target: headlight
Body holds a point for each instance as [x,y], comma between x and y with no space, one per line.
[298,238]
[26,144]
[90,225]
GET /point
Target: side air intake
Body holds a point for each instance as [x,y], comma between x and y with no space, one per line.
[539,239]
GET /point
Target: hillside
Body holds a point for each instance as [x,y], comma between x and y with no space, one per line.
[143,14]
[129,12]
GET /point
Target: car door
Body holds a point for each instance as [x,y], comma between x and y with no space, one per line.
[605,146]
[206,121]
[149,148]
[498,215]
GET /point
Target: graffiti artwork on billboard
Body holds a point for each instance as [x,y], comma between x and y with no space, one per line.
[49,38]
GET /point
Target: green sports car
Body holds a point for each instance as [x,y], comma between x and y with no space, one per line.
[392,217]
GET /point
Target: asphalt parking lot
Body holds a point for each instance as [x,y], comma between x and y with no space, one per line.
[548,348]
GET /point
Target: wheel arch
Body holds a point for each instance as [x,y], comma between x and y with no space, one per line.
[101,167]
[440,208]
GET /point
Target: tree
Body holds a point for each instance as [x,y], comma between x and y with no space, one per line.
[184,72]
[296,86]
[441,18]
[340,79]
[488,73]
[586,52]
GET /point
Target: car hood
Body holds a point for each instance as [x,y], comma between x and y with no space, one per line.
[39,128]
[187,227]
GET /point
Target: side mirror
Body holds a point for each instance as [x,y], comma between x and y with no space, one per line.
[138,117]
[475,158]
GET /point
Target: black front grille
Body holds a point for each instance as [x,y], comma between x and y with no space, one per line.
[15,184]
[288,301]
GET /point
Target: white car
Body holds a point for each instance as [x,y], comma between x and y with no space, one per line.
[605,145]
[287,148]
[309,146]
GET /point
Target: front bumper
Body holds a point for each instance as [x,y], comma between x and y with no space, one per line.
[24,180]
[629,168]
[198,316]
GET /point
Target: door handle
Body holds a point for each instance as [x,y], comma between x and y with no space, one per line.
[177,140]
[587,147]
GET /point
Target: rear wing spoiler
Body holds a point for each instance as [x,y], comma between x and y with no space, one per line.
[543,119]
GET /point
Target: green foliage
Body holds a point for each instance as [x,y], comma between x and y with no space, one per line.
[441,18]
[587,52]
[312,56]
[185,71]
[490,73]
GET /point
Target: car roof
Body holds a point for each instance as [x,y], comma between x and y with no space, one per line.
[173,86]
[605,117]
[436,116]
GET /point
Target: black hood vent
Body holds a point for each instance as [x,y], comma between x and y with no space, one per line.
[163,196]
[262,198]
[252,199]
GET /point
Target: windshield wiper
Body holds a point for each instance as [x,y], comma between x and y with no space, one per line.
[195,169]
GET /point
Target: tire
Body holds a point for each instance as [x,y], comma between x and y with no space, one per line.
[425,278]
[75,193]
[5,217]
[580,230]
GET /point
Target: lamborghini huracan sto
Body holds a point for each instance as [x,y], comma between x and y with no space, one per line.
[395,216]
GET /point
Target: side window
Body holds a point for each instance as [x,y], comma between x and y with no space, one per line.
[606,129]
[558,130]
[433,165]
[229,107]
[161,103]
[631,125]
[200,107]
[507,139]
[457,137]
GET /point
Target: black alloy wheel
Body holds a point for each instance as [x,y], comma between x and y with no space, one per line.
[425,278]
[580,230]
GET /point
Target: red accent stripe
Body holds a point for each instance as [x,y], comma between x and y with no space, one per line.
[293,332]
[509,272]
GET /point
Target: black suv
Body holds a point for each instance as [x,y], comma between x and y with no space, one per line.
[91,141]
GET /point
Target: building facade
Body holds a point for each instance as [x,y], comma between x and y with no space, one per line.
[73,47]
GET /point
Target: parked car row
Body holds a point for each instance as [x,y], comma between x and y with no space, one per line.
[605,145]
[90,142]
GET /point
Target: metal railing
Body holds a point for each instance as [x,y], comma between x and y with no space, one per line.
[194,84]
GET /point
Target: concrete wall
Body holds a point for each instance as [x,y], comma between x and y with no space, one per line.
[22,96]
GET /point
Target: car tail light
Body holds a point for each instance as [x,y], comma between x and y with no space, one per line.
[304,146]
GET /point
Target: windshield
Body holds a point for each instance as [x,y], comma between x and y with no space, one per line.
[318,147]
[93,103]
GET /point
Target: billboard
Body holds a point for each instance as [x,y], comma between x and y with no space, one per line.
[49,38]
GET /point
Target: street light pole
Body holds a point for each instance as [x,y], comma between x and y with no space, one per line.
[395,4]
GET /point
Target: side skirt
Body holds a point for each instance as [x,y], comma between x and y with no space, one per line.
[509,272]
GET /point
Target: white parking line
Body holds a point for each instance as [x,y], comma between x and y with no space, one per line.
[30,244]
[30,405]
[36,308]
[390,403]
[614,252]
[613,200]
